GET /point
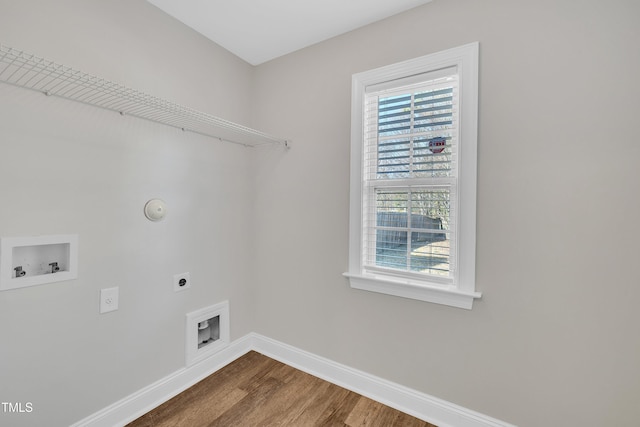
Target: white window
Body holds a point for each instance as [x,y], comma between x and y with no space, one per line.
[413,178]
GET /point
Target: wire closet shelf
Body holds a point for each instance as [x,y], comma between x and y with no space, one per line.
[28,71]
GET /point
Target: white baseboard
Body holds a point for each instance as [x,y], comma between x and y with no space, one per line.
[139,403]
[419,405]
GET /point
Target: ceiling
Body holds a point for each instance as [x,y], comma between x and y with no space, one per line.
[260,30]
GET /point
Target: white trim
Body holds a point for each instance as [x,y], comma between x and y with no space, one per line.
[465,59]
[139,403]
[69,263]
[193,354]
[446,295]
[417,404]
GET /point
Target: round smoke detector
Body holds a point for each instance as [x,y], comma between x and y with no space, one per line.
[155,209]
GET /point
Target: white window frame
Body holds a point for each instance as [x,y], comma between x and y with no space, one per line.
[461,291]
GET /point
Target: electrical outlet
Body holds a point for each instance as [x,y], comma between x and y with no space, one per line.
[181,282]
[108,299]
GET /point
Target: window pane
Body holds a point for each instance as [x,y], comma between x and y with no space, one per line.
[393,158]
[430,253]
[432,156]
[394,115]
[418,241]
[391,249]
[416,133]
[433,109]
[432,203]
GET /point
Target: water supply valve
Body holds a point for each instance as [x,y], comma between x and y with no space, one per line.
[19,271]
[54,267]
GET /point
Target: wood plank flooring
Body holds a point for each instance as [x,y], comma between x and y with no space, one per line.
[255,390]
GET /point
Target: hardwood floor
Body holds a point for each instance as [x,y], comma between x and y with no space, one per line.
[255,390]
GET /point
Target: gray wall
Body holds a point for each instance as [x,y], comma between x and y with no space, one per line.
[554,340]
[69,168]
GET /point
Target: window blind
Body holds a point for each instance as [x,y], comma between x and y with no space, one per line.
[410,173]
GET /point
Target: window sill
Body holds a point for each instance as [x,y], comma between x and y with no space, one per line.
[413,290]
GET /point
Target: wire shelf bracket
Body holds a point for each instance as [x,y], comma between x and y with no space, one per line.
[28,71]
